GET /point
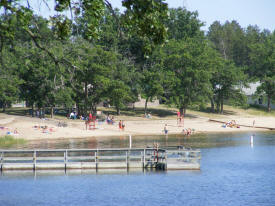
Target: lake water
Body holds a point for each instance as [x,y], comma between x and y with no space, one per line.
[232,173]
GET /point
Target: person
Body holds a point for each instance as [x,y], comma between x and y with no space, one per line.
[184,131]
[15,131]
[178,116]
[189,131]
[90,116]
[72,115]
[87,123]
[108,119]
[165,129]
[253,123]
[120,125]
[112,120]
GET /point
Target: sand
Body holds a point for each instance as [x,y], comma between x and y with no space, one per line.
[29,127]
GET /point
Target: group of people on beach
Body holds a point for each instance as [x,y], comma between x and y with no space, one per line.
[110,119]
[45,129]
[188,131]
[9,131]
[231,124]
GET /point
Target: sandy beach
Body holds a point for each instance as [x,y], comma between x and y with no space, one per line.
[32,128]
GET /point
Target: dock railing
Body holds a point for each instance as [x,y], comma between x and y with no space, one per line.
[117,158]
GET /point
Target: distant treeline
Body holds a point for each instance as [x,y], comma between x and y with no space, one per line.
[100,54]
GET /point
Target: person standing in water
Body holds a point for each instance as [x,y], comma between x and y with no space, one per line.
[165,129]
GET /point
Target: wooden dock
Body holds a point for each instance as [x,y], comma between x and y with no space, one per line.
[173,158]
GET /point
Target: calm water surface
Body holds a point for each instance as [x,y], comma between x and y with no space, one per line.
[232,173]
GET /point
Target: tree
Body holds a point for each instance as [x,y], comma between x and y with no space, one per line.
[8,90]
[9,81]
[119,94]
[262,57]
[151,82]
[229,40]
[93,73]
[226,83]
[183,24]
[188,62]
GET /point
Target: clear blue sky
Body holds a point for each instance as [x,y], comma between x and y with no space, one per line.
[245,12]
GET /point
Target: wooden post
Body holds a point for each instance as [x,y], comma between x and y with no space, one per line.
[96,162]
[127,160]
[2,159]
[144,158]
[34,160]
[165,159]
[65,159]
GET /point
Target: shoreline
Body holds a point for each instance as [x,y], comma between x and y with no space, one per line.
[29,128]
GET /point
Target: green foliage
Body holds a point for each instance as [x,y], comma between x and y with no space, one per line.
[229,41]
[183,24]
[100,54]
[145,18]
[191,71]
[119,94]
[262,67]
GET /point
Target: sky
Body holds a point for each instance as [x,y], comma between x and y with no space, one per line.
[245,12]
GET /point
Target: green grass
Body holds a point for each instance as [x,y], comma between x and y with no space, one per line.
[8,141]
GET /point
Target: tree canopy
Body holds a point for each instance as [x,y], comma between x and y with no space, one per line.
[99,54]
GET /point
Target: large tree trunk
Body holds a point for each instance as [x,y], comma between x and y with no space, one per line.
[43,112]
[218,106]
[181,111]
[212,105]
[52,109]
[78,109]
[86,98]
[222,105]
[32,110]
[94,109]
[268,103]
[4,107]
[184,110]
[117,110]
[145,109]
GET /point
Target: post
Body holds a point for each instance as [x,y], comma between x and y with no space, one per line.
[2,158]
[130,141]
[34,160]
[165,156]
[65,159]
[144,156]
[127,160]
[96,162]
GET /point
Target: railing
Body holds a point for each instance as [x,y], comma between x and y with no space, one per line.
[176,157]
[80,158]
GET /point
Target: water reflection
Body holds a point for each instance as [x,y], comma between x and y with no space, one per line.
[195,141]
